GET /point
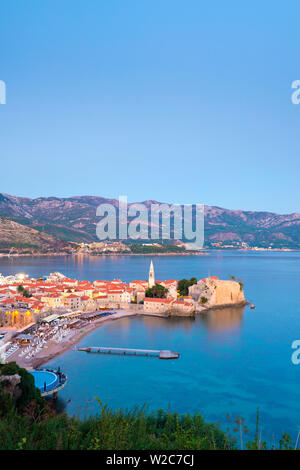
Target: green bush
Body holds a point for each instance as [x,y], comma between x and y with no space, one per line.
[28,390]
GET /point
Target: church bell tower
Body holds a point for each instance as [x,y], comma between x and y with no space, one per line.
[151,280]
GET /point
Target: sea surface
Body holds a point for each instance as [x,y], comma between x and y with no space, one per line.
[232,361]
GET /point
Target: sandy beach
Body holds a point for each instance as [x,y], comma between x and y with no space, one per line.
[55,349]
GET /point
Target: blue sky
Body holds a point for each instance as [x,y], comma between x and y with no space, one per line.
[167,100]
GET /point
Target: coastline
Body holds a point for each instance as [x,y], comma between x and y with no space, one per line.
[19,255]
[56,349]
[205,252]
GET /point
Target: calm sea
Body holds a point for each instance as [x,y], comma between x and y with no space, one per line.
[231,361]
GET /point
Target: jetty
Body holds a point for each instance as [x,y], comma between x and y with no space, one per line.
[163,354]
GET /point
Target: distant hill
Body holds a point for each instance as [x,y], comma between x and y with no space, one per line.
[23,238]
[254,228]
[74,219]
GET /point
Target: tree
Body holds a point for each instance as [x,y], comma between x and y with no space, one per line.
[23,291]
[26,294]
[184,284]
[157,292]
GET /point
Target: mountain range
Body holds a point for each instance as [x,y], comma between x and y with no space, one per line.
[60,220]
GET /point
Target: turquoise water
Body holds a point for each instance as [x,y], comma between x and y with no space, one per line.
[231,361]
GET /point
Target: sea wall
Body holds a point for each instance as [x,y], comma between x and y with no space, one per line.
[176,312]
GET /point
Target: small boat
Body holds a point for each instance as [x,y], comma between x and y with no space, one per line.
[252,306]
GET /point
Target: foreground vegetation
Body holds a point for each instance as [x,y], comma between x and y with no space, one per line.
[28,422]
[111,430]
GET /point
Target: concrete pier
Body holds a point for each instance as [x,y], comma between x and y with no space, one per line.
[164,354]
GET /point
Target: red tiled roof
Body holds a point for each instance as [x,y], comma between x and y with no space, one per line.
[7,301]
[211,277]
[138,282]
[23,299]
[38,306]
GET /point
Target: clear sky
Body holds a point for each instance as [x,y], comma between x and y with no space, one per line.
[177,101]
